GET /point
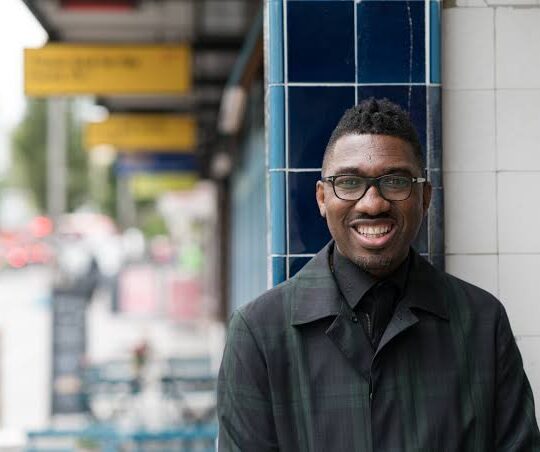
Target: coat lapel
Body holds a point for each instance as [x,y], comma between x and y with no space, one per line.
[316,296]
[402,319]
[425,291]
[351,340]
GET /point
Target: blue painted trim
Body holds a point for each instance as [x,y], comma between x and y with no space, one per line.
[434,139]
[276,127]
[436,227]
[435,41]
[435,177]
[275,32]
[434,149]
[279,270]
[277,211]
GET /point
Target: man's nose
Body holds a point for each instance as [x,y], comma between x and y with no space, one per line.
[372,203]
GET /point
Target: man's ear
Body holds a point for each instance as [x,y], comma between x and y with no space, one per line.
[426,196]
[319,194]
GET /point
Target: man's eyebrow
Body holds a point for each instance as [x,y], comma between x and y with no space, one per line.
[347,170]
[386,170]
[397,169]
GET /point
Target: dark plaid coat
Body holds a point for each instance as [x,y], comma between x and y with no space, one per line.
[447,376]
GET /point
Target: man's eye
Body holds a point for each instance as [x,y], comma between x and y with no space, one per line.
[395,182]
[348,182]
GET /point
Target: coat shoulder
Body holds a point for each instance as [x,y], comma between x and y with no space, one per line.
[473,297]
[271,306]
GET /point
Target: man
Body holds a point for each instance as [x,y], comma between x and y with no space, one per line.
[369,347]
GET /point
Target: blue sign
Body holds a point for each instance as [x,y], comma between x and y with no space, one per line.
[127,164]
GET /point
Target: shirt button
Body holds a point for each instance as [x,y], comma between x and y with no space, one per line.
[354,319]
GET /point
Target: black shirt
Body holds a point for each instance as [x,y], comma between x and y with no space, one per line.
[373,300]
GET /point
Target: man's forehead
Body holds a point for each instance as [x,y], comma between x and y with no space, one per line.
[371,140]
[370,149]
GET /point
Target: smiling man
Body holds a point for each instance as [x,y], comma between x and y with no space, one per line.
[369,347]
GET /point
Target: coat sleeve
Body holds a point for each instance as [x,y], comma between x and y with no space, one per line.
[516,428]
[243,400]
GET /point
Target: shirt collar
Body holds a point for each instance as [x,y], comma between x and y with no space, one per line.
[316,295]
[354,282]
[351,279]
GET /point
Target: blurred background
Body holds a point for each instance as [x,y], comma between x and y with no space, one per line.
[157,169]
[118,122]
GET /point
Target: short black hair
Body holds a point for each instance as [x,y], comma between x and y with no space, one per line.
[376,117]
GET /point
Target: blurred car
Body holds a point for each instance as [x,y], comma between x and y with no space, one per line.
[28,245]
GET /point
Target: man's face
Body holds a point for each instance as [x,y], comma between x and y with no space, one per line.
[372,232]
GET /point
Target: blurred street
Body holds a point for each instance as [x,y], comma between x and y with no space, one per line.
[25,327]
[25,332]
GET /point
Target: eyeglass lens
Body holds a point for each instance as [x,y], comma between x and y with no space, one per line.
[392,188]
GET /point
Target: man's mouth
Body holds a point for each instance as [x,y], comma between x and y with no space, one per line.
[374,235]
[373,231]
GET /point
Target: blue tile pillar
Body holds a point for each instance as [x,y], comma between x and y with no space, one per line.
[323,57]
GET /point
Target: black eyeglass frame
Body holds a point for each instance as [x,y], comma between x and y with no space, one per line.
[374,181]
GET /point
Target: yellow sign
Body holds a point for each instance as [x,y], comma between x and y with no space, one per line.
[144,132]
[150,185]
[62,69]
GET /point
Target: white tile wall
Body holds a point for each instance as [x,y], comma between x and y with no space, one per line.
[519,213]
[518,290]
[518,128]
[480,270]
[511,2]
[469,130]
[468,48]
[471,3]
[491,124]
[518,47]
[529,346]
[470,213]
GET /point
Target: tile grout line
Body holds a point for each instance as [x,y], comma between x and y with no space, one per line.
[512,171]
[296,170]
[293,255]
[268,121]
[428,162]
[287,132]
[429,129]
[427,37]
[355,16]
[353,84]
[496,157]
[496,253]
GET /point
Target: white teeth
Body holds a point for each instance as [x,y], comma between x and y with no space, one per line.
[373,230]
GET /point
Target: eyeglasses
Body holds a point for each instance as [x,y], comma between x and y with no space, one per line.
[390,186]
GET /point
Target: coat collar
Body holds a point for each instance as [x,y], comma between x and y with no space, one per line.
[317,296]
[426,288]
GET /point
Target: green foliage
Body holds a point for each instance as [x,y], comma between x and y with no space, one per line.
[149,219]
[29,152]
[29,143]
[77,162]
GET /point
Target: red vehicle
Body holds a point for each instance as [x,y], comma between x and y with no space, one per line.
[27,246]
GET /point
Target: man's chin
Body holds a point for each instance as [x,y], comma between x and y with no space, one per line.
[377,265]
